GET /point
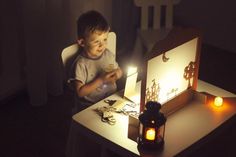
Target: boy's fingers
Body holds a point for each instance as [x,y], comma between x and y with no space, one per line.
[111,73]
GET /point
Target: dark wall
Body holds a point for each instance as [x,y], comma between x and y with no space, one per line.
[216,18]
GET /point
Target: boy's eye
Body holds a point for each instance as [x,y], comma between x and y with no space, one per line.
[94,43]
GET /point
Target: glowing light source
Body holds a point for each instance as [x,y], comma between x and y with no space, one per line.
[218,101]
[130,85]
[150,134]
[131,70]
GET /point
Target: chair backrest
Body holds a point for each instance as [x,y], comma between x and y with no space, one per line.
[156,4]
[69,53]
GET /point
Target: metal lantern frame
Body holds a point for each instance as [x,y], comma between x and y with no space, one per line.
[151,127]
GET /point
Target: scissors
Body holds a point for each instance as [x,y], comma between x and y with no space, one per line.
[110,102]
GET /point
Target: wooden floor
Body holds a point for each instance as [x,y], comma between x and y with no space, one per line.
[28,131]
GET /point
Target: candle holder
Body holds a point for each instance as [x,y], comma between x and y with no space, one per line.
[151,126]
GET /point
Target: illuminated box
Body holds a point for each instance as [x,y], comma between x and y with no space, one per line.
[171,68]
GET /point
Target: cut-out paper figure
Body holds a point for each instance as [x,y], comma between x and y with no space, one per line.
[153,94]
[172,91]
[189,72]
[164,58]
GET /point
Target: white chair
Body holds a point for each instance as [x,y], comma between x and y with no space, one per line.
[69,53]
[147,35]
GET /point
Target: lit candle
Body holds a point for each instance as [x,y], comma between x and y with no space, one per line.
[218,101]
[150,134]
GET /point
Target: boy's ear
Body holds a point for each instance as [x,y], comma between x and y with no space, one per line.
[80,42]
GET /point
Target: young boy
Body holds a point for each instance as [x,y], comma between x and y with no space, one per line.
[95,71]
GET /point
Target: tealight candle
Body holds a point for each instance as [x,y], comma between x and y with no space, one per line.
[218,101]
[150,134]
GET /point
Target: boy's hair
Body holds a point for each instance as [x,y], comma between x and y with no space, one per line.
[89,22]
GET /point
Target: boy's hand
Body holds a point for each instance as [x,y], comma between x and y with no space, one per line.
[109,77]
[118,73]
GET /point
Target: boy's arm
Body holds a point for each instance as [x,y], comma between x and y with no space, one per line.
[85,89]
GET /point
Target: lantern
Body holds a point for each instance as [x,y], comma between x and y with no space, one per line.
[151,127]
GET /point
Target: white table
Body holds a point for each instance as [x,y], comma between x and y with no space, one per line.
[184,128]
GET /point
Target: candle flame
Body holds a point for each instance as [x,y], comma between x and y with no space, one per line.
[218,101]
[150,134]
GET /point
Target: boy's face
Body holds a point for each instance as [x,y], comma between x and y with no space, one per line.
[95,43]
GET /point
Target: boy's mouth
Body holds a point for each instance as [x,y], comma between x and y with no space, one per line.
[100,51]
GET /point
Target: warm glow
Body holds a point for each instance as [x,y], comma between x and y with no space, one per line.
[218,101]
[226,106]
[171,87]
[150,134]
[169,75]
[130,84]
[131,71]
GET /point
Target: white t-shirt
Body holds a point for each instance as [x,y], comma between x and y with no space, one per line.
[87,69]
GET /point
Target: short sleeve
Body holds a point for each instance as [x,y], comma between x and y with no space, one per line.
[115,63]
[80,73]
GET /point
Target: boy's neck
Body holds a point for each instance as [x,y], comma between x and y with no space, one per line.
[89,57]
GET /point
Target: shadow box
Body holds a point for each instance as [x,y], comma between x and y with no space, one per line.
[170,70]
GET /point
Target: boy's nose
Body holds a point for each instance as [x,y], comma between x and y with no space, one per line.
[102,43]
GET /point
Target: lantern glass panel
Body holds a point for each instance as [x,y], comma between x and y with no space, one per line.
[150,134]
